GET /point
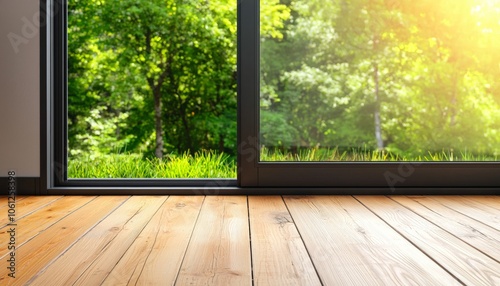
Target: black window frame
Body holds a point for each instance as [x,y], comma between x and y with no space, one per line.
[55,95]
[254,177]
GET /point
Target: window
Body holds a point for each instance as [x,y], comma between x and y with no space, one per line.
[330,71]
[151,89]
[319,50]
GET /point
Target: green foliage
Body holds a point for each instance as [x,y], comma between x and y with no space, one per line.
[182,53]
[128,59]
[276,132]
[423,69]
[340,80]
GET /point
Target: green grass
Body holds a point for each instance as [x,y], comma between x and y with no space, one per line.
[318,154]
[199,165]
[208,164]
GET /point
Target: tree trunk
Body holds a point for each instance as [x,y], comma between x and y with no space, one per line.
[376,112]
[221,143]
[156,88]
[158,123]
[187,131]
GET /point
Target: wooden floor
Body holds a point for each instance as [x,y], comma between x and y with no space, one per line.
[238,240]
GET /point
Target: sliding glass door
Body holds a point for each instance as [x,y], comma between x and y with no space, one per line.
[339,95]
[370,93]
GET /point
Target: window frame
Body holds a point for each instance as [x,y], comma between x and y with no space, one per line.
[56,95]
[254,177]
[396,177]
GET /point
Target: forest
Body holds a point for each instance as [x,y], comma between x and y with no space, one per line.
[341,80]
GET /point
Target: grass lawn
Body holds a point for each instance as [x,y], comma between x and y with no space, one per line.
[199,165]
[209,164]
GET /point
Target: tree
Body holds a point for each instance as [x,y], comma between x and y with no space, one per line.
[161,71]
[421,70]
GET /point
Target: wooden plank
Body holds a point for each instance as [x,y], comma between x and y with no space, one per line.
[278,252]
[35,223]
[491,201]
[29,205]
[477,211]
[94,255]
[476,234]
[4,199]
[466,263]
[156,255]
[37,253]
[219,250]
[349,245]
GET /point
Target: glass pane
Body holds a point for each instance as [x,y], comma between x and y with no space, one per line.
[152,89]
[380,80]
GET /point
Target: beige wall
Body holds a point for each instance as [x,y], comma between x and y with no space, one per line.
[19,88]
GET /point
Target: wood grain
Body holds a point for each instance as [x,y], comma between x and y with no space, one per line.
[94,255]
[478,211]
[219,250]
[491,201]
[155,256]
[349,245]
[37,253]
[4,200]
[279,254]
[474,233]
[198,240]
[463,261]
[27,206]
[37,222]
